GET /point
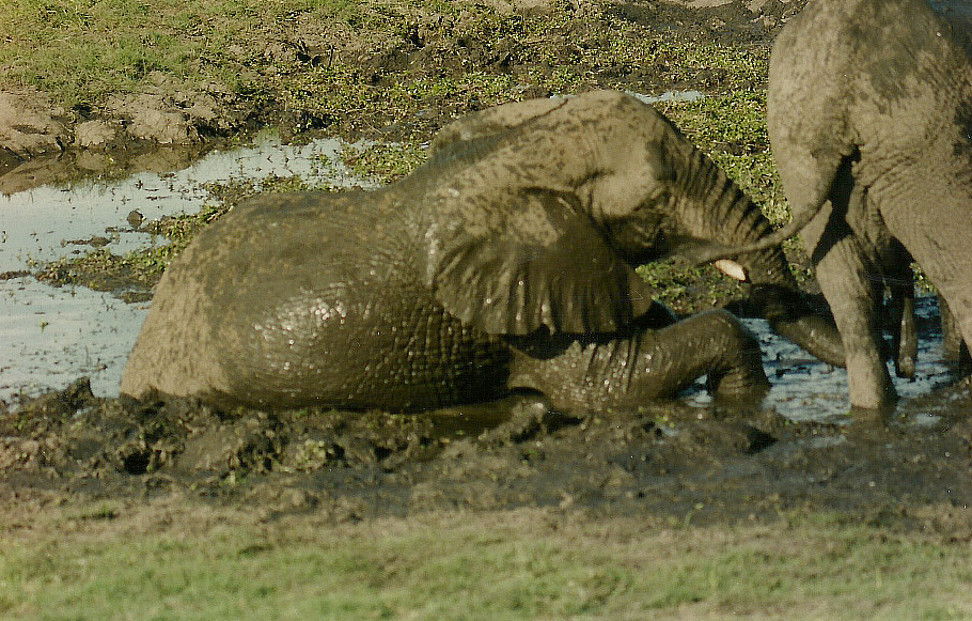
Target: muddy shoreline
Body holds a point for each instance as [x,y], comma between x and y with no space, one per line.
[689,464]
[668,461]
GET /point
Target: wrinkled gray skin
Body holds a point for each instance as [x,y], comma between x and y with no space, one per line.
[504,262]
[870,120]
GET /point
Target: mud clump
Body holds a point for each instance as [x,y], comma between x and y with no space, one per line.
[30,126]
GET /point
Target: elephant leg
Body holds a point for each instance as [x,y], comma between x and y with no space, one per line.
[906,334]
[849,276]
[901,282]
[816,160]
[937,241]
[649,364]
[853,286]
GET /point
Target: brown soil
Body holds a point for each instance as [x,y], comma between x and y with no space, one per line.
[669,460]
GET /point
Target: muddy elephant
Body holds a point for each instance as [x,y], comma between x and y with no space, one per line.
[504,262]
[870,122]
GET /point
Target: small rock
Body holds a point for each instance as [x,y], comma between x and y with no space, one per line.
[135,219]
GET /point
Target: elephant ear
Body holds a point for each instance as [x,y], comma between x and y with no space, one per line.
[546,264]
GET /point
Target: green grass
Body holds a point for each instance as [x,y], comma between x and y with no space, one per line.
[517,565]
[82,50]
[385,163]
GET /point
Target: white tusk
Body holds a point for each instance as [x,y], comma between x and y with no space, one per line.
[731,268]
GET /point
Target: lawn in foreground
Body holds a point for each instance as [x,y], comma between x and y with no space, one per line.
[151,563]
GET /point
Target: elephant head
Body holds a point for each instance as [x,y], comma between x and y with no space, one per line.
[592,186]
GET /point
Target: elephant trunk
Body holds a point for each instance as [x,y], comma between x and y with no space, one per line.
[729,218]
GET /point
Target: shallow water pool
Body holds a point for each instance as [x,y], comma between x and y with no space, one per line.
[804,389]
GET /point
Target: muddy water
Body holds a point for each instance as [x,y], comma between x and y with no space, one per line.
[805,389]
[669,96]
[48,335]
[52,221]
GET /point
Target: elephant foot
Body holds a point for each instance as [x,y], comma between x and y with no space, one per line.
[954,348]
[736,369]
[868,381]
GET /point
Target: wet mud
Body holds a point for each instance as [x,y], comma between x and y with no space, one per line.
[693,460]
[670,460]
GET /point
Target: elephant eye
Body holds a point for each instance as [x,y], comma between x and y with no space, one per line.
[657,195]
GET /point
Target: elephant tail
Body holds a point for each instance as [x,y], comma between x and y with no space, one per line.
[710,252]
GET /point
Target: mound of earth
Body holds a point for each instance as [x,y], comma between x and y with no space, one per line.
[669,460]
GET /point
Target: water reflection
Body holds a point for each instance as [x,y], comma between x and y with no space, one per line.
[49,336]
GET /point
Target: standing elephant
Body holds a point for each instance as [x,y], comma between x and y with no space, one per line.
[870,121]
[506,261]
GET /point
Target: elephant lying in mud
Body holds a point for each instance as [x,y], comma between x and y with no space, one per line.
[870,121]
[506,261]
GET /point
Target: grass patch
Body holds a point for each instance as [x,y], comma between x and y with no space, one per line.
[81,52]
[385,163]
[525,564]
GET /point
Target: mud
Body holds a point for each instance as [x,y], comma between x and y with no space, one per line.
[703,465]
[691,461]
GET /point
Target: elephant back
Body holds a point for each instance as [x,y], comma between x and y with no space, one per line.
[305,299]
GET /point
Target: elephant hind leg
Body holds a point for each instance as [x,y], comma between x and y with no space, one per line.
[734,367]
[648,365]
[938,240]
